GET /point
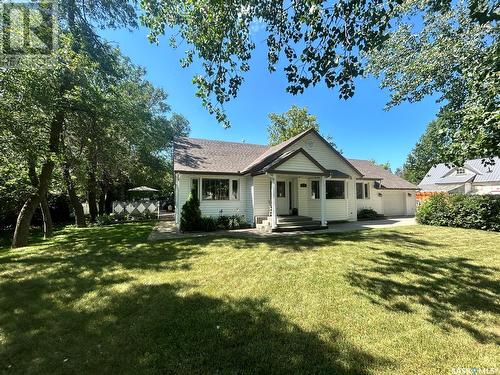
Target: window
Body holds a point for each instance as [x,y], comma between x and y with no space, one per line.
[215,189]
[280,187]
[460,171]
[195,187]
[359,190]
[335,190]
[362,190]
[235,193]
[314,189]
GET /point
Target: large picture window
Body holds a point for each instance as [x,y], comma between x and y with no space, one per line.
[314,189]
[215,189]
[335,189]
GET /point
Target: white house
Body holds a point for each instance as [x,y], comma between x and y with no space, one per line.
[473,178]
[302,178]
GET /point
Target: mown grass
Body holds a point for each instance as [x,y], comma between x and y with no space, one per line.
[417,300]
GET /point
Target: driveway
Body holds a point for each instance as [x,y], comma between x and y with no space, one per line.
[390,222]
[166,229]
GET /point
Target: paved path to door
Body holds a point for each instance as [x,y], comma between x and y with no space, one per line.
[167,230]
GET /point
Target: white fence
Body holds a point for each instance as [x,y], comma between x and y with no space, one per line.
[135,207]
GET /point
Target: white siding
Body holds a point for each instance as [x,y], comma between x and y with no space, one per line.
[336,209]
[411,202]
[249,198]
[374,201]
[322,153]
[262,195]
[486,188]
[299,163]
[303,196]
[391,202]
[213,208]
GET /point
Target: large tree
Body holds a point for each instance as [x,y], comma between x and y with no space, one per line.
[424,155]
[456,58]
[285,125]
[294,121]
[317,41]
[62,76]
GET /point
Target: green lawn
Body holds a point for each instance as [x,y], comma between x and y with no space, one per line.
[103,300]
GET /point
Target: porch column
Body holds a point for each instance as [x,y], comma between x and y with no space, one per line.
[322,194]
[274,219]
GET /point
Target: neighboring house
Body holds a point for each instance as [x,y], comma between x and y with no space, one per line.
[302,176]
[472,178]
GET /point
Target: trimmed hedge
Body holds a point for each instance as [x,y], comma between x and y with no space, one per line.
[460,210]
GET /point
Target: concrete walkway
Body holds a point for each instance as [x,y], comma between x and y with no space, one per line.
[167,229]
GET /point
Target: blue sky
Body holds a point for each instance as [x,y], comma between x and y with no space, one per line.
[360,127]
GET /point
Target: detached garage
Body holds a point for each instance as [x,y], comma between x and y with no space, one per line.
[383,191]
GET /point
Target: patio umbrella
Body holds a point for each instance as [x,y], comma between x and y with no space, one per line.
[143,188]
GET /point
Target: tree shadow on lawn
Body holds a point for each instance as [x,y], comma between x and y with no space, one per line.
[76,306]
[307,242]
[102,248]
[161,329]
[456,292]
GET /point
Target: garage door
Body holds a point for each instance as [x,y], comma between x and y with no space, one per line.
[394,203]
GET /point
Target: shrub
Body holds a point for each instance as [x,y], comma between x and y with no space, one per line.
[460,210]
[191,214]
[368,214]
[208,224]
[104,220]
[232,222]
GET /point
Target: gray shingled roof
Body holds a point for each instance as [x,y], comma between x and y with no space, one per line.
[204,155]
[208,156]
[438,174]
[388,180]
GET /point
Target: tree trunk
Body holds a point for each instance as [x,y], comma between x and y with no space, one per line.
[92,195]
[47,219]
[23,222]
[44,205]
[73,198]
[102,199]
[108,203]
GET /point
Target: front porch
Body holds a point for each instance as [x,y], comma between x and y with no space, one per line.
[289,223]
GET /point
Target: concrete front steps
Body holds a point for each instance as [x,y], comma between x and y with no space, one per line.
[290,224]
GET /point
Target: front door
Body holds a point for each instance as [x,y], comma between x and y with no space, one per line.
[283,202]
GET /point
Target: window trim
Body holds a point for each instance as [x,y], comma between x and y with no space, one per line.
[230,179]
[362,190]
[284,189]
[460,171]
[231,189]
[345,189]
[319,190]
[365,188]
[191,186]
